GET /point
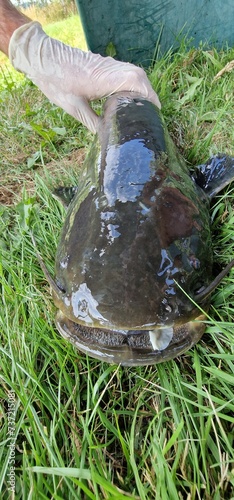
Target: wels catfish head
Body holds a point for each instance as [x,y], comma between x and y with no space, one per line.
[135,253]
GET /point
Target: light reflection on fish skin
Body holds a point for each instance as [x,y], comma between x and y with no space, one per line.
[102,252]
[110,230]
[83,305]
[64,262]
[163,266]
[113,233]
[145,210]
[119,182]
[167,268]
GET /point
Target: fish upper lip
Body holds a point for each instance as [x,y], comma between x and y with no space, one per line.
[131,349]
[117,338]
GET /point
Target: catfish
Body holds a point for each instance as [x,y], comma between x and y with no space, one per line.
[134,264]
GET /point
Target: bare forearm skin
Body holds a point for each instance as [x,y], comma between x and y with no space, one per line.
[10,20]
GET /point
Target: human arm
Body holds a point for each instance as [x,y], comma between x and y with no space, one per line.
[69,77]
[10,20]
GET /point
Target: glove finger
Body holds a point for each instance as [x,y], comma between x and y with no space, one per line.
[78,107]
[85,114]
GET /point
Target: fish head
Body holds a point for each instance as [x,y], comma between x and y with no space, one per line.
[126,280]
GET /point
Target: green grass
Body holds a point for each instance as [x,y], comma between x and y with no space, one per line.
[68,31]
[84,429]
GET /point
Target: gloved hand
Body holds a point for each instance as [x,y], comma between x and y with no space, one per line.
[70,77]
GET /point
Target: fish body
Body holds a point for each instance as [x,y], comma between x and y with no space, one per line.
[135,250]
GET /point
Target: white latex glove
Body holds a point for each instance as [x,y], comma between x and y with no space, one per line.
[70,77]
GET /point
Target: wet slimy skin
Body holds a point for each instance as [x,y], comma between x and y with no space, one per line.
[136,245]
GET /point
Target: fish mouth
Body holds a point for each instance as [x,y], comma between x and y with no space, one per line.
[132,347]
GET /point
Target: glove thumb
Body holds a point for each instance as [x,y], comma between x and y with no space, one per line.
[82,111]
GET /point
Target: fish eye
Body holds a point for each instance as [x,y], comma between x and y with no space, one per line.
[59,285]
[199,287]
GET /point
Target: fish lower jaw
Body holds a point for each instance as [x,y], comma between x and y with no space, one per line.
[132,347]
